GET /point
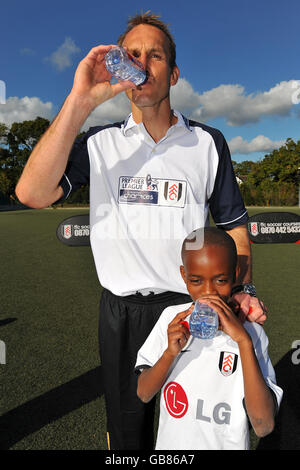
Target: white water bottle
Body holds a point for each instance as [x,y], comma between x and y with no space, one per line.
[123,66]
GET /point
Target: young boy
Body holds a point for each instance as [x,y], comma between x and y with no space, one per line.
[209,387]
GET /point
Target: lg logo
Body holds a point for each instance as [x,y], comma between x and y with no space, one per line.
[176,400]
[177,406]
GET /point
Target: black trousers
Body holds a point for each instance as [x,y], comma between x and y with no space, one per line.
[124,325]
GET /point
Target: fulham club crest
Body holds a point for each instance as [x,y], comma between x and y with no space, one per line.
[173,191]
[254,228]
[227,363]
[67,231]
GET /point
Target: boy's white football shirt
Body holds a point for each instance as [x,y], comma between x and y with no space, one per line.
[201,404]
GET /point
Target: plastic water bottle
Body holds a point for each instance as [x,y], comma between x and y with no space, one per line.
[204,321]
[124,67]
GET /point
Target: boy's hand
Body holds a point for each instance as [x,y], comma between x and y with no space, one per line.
[228,321]
[178,333]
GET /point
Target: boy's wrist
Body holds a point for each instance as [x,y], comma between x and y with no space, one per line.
[169,355]
[245,342]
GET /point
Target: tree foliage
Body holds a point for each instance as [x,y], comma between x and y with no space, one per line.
[16,144]
[273,180]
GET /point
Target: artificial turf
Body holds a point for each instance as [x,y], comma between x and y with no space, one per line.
[52,394]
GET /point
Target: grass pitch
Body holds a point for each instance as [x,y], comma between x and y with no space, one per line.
[52,395]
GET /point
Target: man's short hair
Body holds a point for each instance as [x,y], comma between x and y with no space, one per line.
[151,19]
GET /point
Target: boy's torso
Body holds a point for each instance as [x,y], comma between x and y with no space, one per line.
[202,399]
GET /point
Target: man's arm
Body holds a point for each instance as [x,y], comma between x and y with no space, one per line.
[250,307]
[242,242]
[38,186]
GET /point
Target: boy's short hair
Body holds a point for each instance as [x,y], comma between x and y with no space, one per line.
[201,237]
[151,19]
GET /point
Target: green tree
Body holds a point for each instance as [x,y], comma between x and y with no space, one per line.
[243,169]
[16,144]
[273,180]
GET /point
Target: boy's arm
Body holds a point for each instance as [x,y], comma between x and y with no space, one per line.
[151,380]
[258,398]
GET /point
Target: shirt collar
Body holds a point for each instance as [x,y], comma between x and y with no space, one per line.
[182,121]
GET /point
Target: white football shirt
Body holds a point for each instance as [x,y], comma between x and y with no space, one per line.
[201,404]
[147,196]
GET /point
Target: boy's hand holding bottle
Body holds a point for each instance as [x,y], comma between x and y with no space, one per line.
[178,333]
[179,330]
[229,322]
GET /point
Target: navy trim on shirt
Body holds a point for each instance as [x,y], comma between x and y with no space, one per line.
[77,172]
[226,204]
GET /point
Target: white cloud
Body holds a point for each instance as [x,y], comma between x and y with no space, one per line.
[258,144]
[228,101]
[24,109]
[184,98]
[62,57]
[232,103]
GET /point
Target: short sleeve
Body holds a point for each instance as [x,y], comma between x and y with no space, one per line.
[157,341]
[226,203]
[77,172]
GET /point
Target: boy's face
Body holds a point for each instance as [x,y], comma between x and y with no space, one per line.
[208,271]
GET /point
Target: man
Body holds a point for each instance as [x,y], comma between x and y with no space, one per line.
[152,177]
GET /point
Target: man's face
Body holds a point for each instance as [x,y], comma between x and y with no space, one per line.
[208,272]
[150,46]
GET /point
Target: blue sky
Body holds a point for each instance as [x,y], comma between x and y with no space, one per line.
[239,62]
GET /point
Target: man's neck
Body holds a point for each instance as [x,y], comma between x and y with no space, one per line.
[157,120]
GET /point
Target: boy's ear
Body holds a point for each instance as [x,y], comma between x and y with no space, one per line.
[236,273]
[182,272]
